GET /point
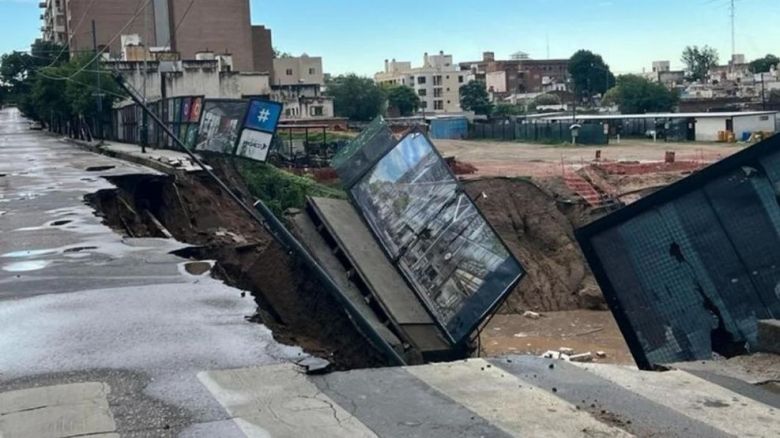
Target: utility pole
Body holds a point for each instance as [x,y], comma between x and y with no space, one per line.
[144,120]
[763,92]
[733,30]
[99,94]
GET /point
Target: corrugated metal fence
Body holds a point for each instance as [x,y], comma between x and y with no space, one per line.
[542,132]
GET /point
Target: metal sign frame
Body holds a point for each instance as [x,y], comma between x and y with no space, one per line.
[695,182]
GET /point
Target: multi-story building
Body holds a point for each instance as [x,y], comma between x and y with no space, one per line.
[297,83]
[437,82]
[180,26]
[54,26]
[519,74]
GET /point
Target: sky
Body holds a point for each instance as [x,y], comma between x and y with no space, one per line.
[356,36]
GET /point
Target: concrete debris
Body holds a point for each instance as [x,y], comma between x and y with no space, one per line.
[601,354]
[584,357]
[557,355]
[532,315]
[566,350]
[315,365]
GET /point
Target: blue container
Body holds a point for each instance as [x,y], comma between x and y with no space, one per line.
[451,128]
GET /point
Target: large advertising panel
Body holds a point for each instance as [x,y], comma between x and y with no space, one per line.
[438,238]
[220,125]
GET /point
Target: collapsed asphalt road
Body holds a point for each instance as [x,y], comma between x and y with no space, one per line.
[114,330]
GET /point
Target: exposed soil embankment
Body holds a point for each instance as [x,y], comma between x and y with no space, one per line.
[542,238]
[195,211]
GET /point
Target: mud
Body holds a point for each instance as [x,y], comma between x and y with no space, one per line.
[195,211]
[541,236]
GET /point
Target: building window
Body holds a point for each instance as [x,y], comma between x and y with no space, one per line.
[438,105]
[460,79]
[437,92]
[312,71]
[317,111]
[421,80]
[436,81]
[289,72]
[424,104]
[422,92]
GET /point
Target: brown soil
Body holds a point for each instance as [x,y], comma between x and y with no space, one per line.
[584,331]
[197,212]
[541,236]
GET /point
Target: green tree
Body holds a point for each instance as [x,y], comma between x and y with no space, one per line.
[765,64]
[637,95]
[507,109]
[66,91]
[547,99]
[474,97]
[404,99]
[17,68]
[355,97]
[699,61]
[590,74]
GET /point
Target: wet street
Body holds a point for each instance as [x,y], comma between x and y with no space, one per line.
[94,319]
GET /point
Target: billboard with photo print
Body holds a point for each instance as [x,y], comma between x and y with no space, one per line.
[435,234]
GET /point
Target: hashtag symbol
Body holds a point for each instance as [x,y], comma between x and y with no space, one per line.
[264,115]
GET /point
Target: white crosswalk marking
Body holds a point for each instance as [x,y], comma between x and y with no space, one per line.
[697,399]
[512,404]
[278,401]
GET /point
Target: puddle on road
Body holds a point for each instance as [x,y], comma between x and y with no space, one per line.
[28,253]
[197,268]
[33,265]
[99,168]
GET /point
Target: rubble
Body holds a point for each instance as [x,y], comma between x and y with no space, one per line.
[531,315]
[584,357]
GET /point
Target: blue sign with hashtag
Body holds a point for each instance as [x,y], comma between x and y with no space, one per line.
[263,116]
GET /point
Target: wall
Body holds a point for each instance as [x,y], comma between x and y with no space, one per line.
[299,70]
[496,81]
[753,123]
[220,26]
[262,50]
[205,81]
[110,16]
[707,128]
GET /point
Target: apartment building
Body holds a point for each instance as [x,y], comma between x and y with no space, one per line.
[520,74]
[180,26]
[437,82]
[53,21]
[297,83]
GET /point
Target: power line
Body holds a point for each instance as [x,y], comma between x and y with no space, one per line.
[67,46]
[111,41]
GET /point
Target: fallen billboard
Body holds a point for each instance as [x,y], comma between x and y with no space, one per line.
[220,125]
[431,230]
[689,270]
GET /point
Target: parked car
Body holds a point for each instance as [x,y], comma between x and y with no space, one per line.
[36,126]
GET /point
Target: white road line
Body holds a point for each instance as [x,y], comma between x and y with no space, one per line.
[510,403]
[57,411]
[278,401]
[697,399]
